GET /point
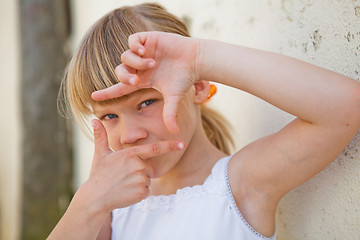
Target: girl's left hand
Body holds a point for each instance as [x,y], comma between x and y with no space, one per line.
[163,61]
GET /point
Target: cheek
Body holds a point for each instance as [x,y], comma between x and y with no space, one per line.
[156,127]
[113,139]
[153,121]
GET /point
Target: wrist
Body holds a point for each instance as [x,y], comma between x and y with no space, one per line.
[204,65]
[87,200]
[82,220]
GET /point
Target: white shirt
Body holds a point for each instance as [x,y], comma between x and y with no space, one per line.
[205,211]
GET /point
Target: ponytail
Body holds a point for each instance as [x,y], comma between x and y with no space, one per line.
[217,129]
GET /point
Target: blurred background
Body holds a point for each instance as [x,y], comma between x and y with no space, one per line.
[45,157]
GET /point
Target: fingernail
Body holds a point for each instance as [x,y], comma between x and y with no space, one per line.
[151,64]
[141,51]
[132,81]
[181,145]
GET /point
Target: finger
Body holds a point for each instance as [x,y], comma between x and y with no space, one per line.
[132,60]
[169,113]
[158,148]
[126,74]
[115,91]
[100,138]
[136,42]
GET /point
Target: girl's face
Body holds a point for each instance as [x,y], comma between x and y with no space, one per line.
[136,119]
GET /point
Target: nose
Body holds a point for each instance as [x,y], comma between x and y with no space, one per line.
[131,131]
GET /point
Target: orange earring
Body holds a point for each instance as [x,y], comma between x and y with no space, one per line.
[212,92]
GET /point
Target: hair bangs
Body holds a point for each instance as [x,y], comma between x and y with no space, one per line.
[92,67]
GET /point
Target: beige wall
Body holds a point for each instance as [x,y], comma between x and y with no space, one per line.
[325,33]
[9,121]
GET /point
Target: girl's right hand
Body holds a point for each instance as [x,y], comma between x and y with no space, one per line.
[122,178]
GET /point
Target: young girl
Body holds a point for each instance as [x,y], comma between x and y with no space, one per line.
[161,167]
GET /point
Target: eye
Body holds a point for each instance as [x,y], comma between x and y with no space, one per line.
[146,103]
[109,116]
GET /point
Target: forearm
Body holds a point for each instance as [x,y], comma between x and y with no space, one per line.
[309,92]
[82,220]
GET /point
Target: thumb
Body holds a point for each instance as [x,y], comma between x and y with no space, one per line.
[100,138]
[169,113]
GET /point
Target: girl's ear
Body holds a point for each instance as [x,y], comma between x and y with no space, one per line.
[202,90]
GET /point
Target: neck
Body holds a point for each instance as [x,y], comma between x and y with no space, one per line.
[193,168]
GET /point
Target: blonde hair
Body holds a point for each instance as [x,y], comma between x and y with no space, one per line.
[92,66]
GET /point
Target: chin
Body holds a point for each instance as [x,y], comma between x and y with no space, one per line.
[163,164]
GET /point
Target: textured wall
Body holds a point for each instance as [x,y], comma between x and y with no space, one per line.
[325,33]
